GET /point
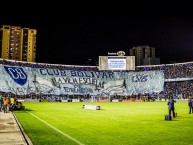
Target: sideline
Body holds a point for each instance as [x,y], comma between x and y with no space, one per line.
[25,136]
[78,142]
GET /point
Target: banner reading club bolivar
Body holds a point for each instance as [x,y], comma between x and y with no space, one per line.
[26,80]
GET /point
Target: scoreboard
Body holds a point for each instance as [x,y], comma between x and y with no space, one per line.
[116,62]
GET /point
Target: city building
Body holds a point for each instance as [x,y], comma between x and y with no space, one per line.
[18,43]
[144,55]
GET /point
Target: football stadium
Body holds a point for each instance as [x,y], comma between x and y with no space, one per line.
[83,105]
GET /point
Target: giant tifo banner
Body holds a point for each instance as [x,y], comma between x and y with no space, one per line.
[27,80]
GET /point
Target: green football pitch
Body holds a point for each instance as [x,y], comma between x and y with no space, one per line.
[117,123]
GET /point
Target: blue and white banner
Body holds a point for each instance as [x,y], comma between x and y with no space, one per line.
[27,80]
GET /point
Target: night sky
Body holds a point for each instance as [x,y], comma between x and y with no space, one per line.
[75,39]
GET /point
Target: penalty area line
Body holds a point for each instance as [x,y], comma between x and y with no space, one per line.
[64,134]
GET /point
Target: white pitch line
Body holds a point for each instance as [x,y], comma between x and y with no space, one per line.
[78,142]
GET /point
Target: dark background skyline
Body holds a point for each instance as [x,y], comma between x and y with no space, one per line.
[73,40]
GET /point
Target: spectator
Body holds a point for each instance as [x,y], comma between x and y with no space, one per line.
[12,103]
[5,104]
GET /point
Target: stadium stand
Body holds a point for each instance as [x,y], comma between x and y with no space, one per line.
[178,79]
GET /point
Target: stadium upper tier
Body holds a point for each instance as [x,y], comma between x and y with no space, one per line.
[22,78]
[172,72]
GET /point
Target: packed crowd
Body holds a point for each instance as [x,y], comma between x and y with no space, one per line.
[178,78]
[171,71]
[45,65]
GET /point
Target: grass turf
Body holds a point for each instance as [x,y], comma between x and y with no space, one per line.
[129,123]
